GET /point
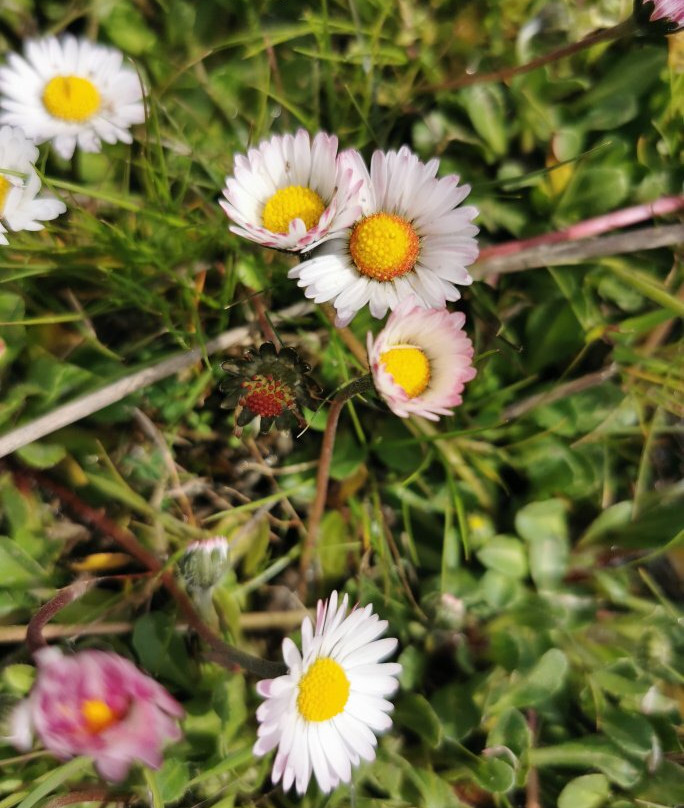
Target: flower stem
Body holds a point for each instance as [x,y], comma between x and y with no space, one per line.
[624,28]
[228,656]
[354,387]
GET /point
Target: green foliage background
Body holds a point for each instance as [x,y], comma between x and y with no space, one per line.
[527,552]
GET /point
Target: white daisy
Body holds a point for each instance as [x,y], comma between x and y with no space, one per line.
[413,239]
[71,92]
[323,714]
[20,184]
[421,360]
[289,193]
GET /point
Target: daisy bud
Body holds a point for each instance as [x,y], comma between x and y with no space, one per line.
[99,704]
[421,360]
[204,563]
[72,93]
[660,16]
[323,715]
[270,386]
[290,193]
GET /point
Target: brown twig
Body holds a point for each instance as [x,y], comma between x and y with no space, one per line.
[323,476]
[532,783]
[574,252]
[231,657]
[101,795]
[590,228]
[505,73]
[560,392]
[116,391]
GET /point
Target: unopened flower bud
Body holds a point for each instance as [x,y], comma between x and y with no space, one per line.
[204,563]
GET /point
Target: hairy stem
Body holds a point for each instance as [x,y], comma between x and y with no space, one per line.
[354,387]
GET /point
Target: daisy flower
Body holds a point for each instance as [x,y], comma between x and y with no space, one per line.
[666,15]
[20,206]
[421,360]
[71,92]
[99,704]
[290,193]
[322,715]
[412,239]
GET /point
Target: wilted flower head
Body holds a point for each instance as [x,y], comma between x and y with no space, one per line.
[268,385]
[413,239]
[421,360]
[98,704]
[71,92]
[322,715]
[290,193]
[204,563]
[660,16]
[20,206]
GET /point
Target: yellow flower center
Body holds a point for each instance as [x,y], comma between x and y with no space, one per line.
[98,715]
[71,98]
[384,246]
[5,187]
[409,367]
[323,691]
[288,204]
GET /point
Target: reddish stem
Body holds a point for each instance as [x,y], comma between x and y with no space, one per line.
[505,73]
[231,657]
[323,475]
[590,227]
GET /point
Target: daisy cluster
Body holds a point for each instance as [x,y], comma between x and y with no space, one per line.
[68,92]
[394,237]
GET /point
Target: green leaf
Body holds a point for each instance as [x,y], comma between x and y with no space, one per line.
[40,455]
[161,650]
[19,570]
[459,713]
[493,774]
[543,526]
[588,791]
[504,554]
[486,107]
[593,752]
[630,731]
[334,545]
[414,712]
[538,685]
[172,779]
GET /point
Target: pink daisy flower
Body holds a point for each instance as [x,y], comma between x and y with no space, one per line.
[421,360]
[98,704]
[290,193]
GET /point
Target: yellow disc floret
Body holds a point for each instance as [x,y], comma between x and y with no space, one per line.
[409,367]
[5,187]
[71,98]
[323,691]
[384,246]
[288,204]
[98,715]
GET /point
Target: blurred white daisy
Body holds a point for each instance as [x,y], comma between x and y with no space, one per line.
[412,239]
[421,360]
[289,192]
[322,715]
[71,92]
[20,206]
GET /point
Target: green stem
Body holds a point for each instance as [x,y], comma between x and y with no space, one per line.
[354,387]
